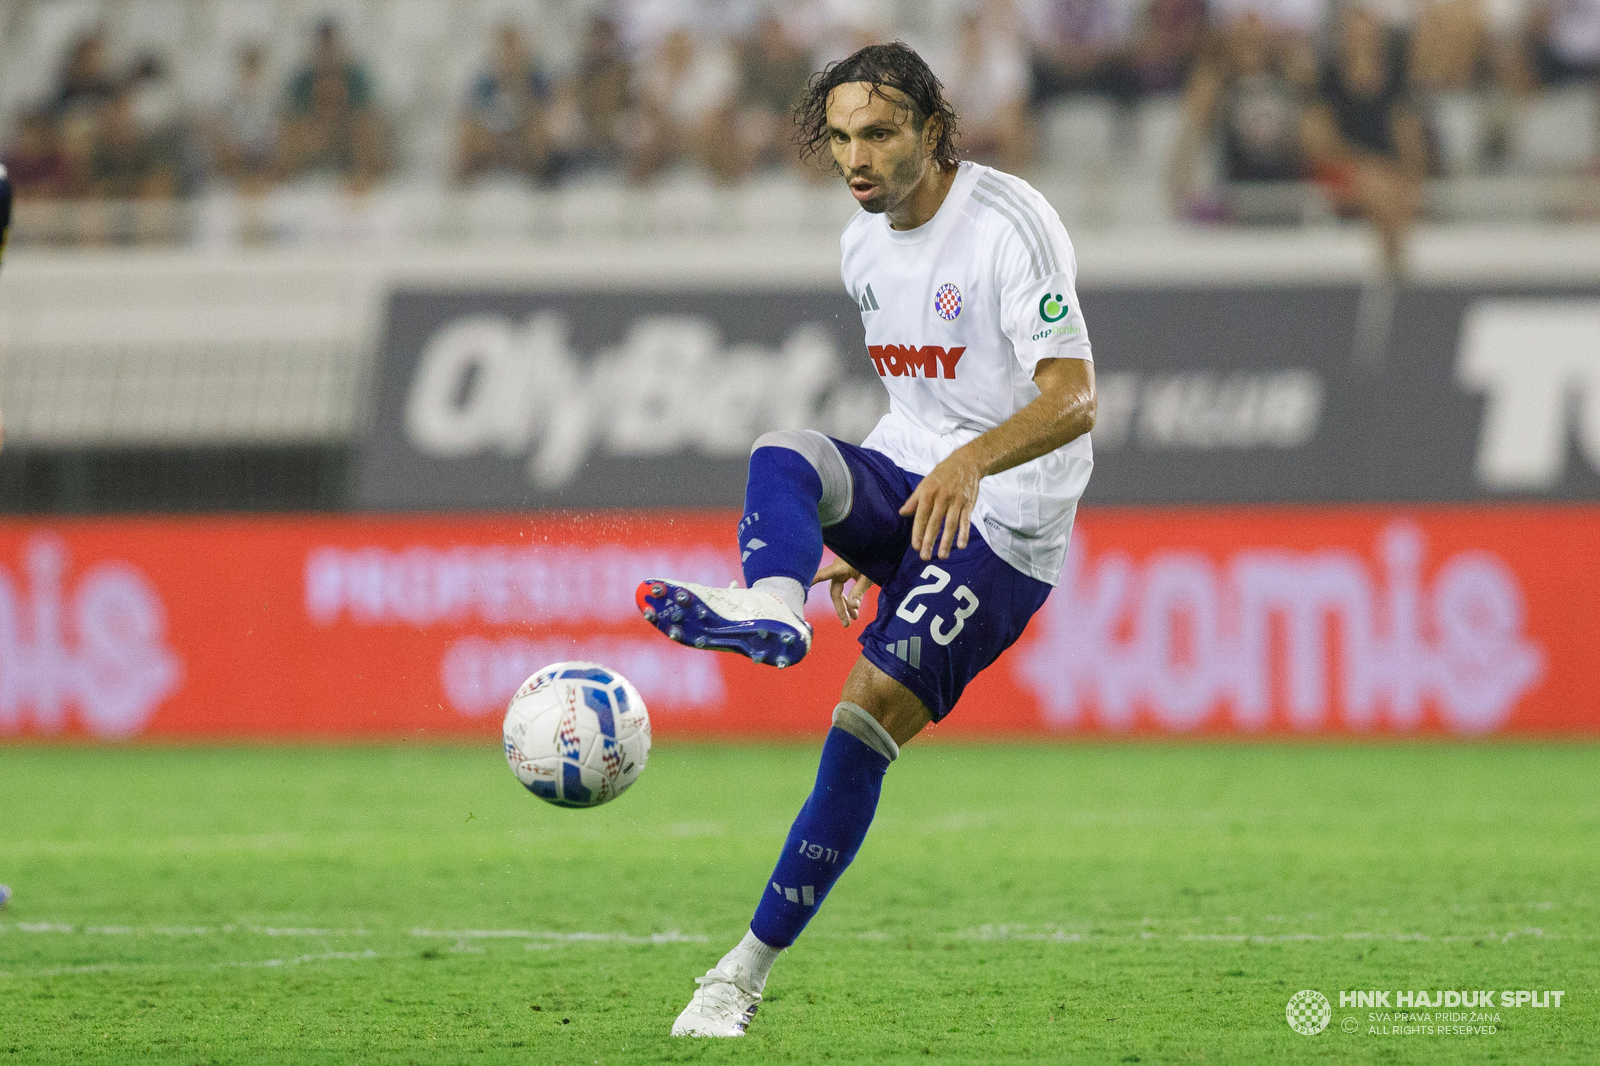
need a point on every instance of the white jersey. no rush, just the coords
(958, 313)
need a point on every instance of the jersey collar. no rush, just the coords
(966, 178)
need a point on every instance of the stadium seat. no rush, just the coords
(1142, 201)
(45, 30)
(1158, 122)
(1557, 132)
(1459, 120)
(596, 208)
(499, 209)
(774, 202)
(1502, 197)
(158, 26)
(1078, 135)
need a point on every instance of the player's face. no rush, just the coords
(876, 144)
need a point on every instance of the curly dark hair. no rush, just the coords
(882, 66)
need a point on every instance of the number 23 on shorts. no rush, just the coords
(966, 602)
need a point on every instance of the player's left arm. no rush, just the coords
(943, 502)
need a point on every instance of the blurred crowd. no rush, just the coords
(1340, 94)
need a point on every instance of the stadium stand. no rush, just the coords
(382, 122)
(272, 167)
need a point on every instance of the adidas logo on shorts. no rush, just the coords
(907, 651)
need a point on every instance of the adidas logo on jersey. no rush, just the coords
(866, 301)
(908, 360)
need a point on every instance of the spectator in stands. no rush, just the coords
(1292, 26)
(986, 79)
(1448, 46)
(130, 161)
(36, 161)
(1085, 46)
(773, 71)
(159, 111)
(1566, 41)
(600, 94)
(244, 135)
(685, 95)
(135, 165)
(332, 125)
(1167, 44)
(505, 127)
(1241, 99)
(85, 84)
(1365, 140)
(833, 29)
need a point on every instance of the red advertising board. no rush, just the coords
(1242, 621)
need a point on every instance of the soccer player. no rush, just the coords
(5, 231)
(958, 505)
(5, 210)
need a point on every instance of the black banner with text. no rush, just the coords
(530, 400)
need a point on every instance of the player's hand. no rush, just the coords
(846, 603)
(943, 503)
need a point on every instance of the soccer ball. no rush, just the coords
(577, 734)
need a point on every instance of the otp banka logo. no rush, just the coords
(99, 647)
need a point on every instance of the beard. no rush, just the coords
(902, 179)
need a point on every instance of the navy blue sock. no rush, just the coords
(823, 840)
(780, 534)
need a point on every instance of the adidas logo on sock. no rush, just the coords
(806, 894)
(754, 544)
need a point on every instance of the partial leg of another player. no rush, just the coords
(876, 716)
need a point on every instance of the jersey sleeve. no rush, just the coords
(1035, 270)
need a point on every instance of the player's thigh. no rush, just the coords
(900, 711)
(873, 536)
(940, 623)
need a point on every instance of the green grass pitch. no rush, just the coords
(1144, 903)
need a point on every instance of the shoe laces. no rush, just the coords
(719, 989)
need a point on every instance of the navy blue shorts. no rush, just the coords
(941, 622)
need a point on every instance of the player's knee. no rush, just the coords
(824, 457)
(808, 442)
(859, 723)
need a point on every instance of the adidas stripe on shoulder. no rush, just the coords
(1009, 199)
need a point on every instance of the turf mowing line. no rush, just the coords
(990, 934)
(176, 930)
(112, 967)
(979, 934)
(671, 936)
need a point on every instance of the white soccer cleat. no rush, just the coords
(749, 622)
(722, 1006)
